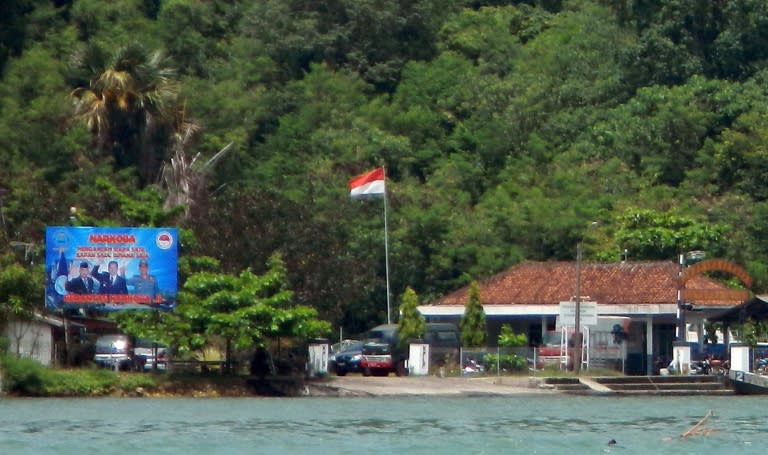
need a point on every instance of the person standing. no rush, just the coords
(144, 283)
(81, 284)
(110, 282)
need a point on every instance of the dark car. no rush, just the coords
(348, 359)
(148, 355)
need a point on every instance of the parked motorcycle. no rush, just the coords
(472, 367)
(719, 367)
(710, 366)
(700, 367)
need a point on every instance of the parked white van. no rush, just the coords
(114, 351)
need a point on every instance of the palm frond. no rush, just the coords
(185, 181)
(114, 82)
(128, 100)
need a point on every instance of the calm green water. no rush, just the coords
(425, 425)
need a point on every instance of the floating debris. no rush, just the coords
(699, 429)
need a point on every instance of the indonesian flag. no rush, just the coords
(370, 184)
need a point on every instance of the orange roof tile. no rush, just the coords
(605, 283)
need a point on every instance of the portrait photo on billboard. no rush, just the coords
(111, 268)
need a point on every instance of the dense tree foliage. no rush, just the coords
(506, 128)
(17, 290)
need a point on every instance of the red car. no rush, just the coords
(377, 360)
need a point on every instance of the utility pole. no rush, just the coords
(577, 331)
(579, 342)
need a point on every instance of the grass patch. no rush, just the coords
(79, 382)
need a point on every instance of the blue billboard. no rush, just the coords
(107, 268)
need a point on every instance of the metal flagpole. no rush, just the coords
(386, 246)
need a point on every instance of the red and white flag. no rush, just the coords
(370, 184)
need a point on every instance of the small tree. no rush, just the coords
(472, 325)
(245, 310)
(507, 360)
(411, 325)
(509, 339)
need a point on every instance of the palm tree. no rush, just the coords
(130, 102)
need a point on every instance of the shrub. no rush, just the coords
(509, 339)
(507, 362)
(22, 376)
(5, 345)
(29, 378)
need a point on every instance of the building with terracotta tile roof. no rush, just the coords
(658, 297)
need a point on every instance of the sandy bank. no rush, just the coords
(355, 385)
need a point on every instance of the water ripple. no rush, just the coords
(351, 426)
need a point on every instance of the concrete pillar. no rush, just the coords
(649, 345)
(700, 335)
(318, 358)
(418, 359)
(740, 355)
(681, 353)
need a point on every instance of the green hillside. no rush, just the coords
(506, 127)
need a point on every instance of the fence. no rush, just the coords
(602, 353)
(496, 360)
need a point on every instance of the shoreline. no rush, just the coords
(352, 385)
(358, 386)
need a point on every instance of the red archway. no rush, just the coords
(720, 265)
